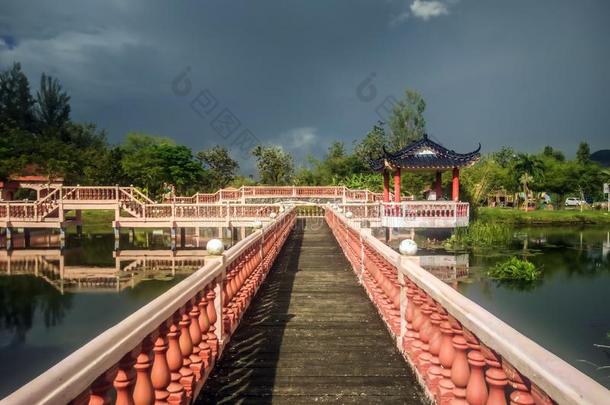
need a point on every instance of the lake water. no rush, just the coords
(567, 311)
(54, 301)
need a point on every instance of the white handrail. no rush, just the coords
(71, 376)
(561, 381)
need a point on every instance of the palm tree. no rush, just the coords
(525, 179)
(526, 168)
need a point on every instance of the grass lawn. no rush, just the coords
(95, 221)
(541, 217)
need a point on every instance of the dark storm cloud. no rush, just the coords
(520, 73)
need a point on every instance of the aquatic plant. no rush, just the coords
(515, 269)
(481, 234)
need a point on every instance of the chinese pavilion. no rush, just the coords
(423, 155)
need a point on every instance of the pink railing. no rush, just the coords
(164, 352)
(368, 210)
(426, 209)
(461, 353)
(336, 192)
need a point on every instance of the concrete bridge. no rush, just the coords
(134, 209)
(303, 311)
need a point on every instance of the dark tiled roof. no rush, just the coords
(434, 156)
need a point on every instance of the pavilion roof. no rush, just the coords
(426, 154)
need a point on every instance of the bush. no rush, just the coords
(515, 269)
(481, 234)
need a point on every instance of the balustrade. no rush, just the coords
(462, 353)
(164, 352)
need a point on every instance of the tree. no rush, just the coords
(583, 154)
(16, 103)
(407, 121)
(371, 147)
(505, 157)
(553, 153)
(52, 104)
(220, 167)
(150, 161)
(275, 167)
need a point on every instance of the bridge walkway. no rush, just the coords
(311, 336)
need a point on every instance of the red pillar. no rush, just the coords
(438, 186)
(397, 185)
(455, 192)
(386, 186)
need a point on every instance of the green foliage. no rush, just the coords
(583, 154)
(515, 269)
(371, 146)
(407, 120)
(219, 166)
(540, 217)
(152, 161)
(481, 234)
(38, 132)
(53, 103)
(275, 167)
(362, 181)
(16, 102)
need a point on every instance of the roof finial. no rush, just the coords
(425, 135)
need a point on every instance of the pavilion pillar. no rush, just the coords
(455, 191)
(397, 185)
(386, 186)
(438, 188)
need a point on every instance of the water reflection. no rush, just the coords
(448, 268)
(53, 299)
(568, 310)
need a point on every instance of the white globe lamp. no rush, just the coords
(215, 247)
(407, 247)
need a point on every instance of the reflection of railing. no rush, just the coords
(462, 353)
(165, 351)
(130, 268)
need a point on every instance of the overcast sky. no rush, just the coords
(305, 73)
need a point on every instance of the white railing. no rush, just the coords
(460, 351)
(165, 351)
(425, 214)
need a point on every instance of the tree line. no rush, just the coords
(36, 130)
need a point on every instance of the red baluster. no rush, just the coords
(101, 388)
(124, 380)
(195, 334)
(446, 357)
(497, 381)
(495, 377)
(211, 311)
(186, 348)
(476, 390)
(460, 371)
(174, 361)
(143, 393)
(519, 383)
(160, 374)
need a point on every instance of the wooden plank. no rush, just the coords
(312, 336)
